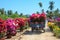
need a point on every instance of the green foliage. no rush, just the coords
(51, 5)
(14, 16)
(40, 4)
(56, 12)
(4, 16)
(56, 31)
(9, 12)
(23, 16)
(2, 11)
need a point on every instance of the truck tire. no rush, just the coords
(32, 29)
(43, 30)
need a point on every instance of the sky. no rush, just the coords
(27, 6)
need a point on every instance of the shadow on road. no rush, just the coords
(47, 30)
(32, 33)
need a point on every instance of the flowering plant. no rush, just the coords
(58, 21)
(20, 22)
(3, 28)
(38, 17)
(42, 16)
(11, 28)
(50, 24)
(56, 31)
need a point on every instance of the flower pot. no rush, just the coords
(2, 38)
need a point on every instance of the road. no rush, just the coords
(36, 35)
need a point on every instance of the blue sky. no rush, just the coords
(27, 6)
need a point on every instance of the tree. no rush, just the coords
(37, 12)
(51, 8)
(21, 14)
(47, 11)
(16, 12)
(40, 4)
(2, 11)
(51, 5)
(56, 12)
(10, 12)
(42, 10)
(5, 13)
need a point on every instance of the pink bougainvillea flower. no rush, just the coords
(58, 19)
(20, 22)
(10, 26)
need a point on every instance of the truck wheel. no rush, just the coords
(32, 29)
(43, 30)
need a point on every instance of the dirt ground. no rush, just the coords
(37, 35)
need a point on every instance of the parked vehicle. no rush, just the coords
(37, 26)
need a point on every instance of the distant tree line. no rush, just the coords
(10, 14)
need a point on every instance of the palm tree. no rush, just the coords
(51, 8)
(47, 11)
(40, 4)
(51, 5)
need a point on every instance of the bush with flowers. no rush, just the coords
(56, 31)
(11, 28)
(20, 23)
(38, 17)
(56, 28)
(3, 28)
(51, 25)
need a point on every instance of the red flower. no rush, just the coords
(20, 22)
(3, 27)
(38, 17)
(43, 15)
